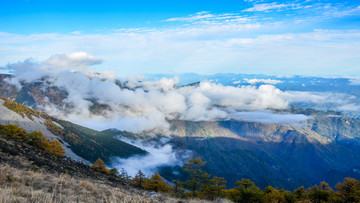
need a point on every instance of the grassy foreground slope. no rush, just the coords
(29, 174)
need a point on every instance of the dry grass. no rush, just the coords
(29, 186)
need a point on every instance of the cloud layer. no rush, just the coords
(159, 155)
(135, 105)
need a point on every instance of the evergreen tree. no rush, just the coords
(99, 165)
(114, 172)
(318, 194)
(212, 189)
(349, 190)
(300, 193)
(156, 183)
(273, 195)
(196, 175)
(139, 180)
(246, 191)
(124, 176)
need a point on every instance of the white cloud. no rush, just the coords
(349, 107)
(76, 32)
(270, 6)
(208, 18)
(265, 81)
(270, 117)
(158, 156)
(77, 61)
(224, 46)
(354, 80)
(197, 16)
(142, 105)
(136, 105)
(331, 11)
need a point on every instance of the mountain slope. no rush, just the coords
(324, 147)
(81, 143)
(286, 156)
(29, 174)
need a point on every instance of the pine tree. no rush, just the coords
(124, 176)
(114, 172)
(320, 193)
(156, 183)
(349, 190)
(219, 185)
(246, 191)
(99, 165)
(196, 175)
(139, 180)
(273, 195)
(213, 188)
(300, 193)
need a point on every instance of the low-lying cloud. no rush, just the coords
(160, 154)
(265, 81)
(269, 117)
(135, 105)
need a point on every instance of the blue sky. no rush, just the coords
(306, 37)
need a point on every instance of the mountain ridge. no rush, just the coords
(82, 143)
(323, 144)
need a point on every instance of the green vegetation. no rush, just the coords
(36, 139)
(99, 166)
(91, 144)
(139, 180)
(87, 143)
(157, 184)
(200, 185)
(56, 130)
(22, 109)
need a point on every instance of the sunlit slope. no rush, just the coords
(84, 142)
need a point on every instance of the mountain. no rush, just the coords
(324, 147)
(30, 174)
(82, 143)
(341, 93)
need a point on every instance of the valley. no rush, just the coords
(322, 147)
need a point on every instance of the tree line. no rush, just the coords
(202, 185)
(36, 139)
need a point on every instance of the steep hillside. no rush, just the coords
(326, 148)
(82, 143)
(29, 174)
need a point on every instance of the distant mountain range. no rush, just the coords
(346, 88)
(325, 147)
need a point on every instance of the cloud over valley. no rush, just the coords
(103, 101)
